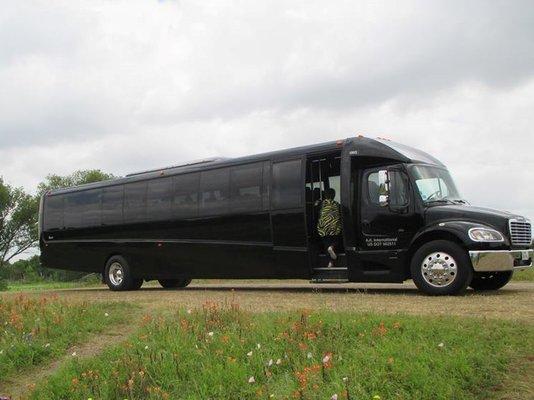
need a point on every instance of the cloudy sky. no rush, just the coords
(129, 85)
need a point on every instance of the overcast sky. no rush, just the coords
(129, 85)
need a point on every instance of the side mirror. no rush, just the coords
(383, 191)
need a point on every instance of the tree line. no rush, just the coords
(19, 215)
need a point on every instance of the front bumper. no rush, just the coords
(501, 260)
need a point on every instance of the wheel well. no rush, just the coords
(429, 237)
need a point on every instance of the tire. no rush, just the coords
(441, 267)
(491, 280)
(174, 283)
(118, 275)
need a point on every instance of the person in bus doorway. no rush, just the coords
(329, 226)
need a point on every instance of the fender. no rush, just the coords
(459, 230)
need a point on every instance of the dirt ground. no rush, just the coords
(514, 302)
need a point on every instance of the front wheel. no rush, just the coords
(174, 283)
(441, 267)
(491, 280)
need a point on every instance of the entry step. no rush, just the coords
(326, 275)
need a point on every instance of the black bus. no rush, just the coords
(256, 217)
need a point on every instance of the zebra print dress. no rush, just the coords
(329, 219)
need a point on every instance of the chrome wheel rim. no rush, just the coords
(439, 269)
(116, 274)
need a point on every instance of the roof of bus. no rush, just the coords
(359, 146)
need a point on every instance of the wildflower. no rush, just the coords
(345, 379)
(278, 362)
(251, 380)
(258, 346)
(74, 354)
(47, 345)
(334, 397)
(309, 355)
(249, 353)
(376, 397)
(146, 347)
(327, 358)
(189, 311)
(106, 315)
(270, 363)
(441, 345)
(210, 334)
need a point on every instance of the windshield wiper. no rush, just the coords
(446, 201)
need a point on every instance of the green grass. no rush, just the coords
(37, 329)
(230, 354)
(48, 285)
(526, 275)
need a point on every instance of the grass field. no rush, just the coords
(524, 276)
(225, 353)
(387, 340)
(37, 329)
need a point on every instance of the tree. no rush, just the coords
(54, 181)
(18, 222)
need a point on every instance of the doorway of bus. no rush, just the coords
(322, 172)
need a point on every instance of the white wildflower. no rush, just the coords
(251, 380)
(210, 334)
(309, 355)
(189, 311)
(326, 359)
(441, 345)
(106, 315)
(47, 345)
(278, 362)
(345, 379)
(146, 347)
(249, 353)
(74, 354)
(270, 363)
(258, 346)
(334, 397)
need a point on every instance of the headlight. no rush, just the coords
(485, 235)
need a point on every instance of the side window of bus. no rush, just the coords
(112, 205)
(398, 187)
(73, 210)
(53, 212)
(159, 198)
(185, 202)
(266, 184)
(245, 188)
(92, 207)
(214, 190)
(135, 202)
(287, 184)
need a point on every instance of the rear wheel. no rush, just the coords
(441, 267)
(174, 283)
(118, 275)
(491, 280)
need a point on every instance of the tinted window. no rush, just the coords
(73, 210)
(112, 205)
(185, 202)
(266, 184)
(91, 207)
(135, 202)
(246, 188)
(287, 184)
(53, 212)
(214, 188)
(159, 198)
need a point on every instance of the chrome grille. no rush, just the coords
(520, 232)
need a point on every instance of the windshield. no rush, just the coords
(434, 184)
